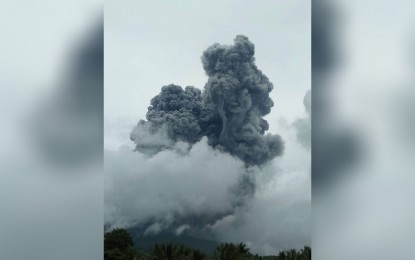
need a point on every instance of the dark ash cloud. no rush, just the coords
(173, 116)
(229, 112)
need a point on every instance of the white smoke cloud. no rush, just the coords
(139, 189)
(278, 217)
(162, 192)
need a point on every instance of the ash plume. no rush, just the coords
(173, 116)
(202, 169)
(229, 112)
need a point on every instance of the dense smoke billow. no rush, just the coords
(168, 188)
(229, 112)
(203, 165)
(173, 116)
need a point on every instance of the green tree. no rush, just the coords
(118, 238)
(306, 253)
(118, 245)
(175, 252)
(230, 251)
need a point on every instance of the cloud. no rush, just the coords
(277, 217)
(140, 189)
(209, 194)
(229, 112)
(303, 125)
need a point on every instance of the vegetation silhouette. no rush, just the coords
(118, 245)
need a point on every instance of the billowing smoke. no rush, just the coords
(207, 197)
(204, 166)
(235, 99)
(170, 189)
(173, 116)
(229, 112)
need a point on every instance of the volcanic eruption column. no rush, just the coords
(229, 112)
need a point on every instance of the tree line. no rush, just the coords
(118, 245)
